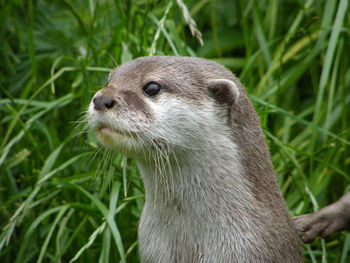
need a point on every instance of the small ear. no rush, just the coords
(224, 91)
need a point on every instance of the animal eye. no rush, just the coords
(152, 89)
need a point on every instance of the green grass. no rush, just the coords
(65, 199)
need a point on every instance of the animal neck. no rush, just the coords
(198, 180)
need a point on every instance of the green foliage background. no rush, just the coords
(64, 199)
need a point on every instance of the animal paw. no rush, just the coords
(330, 219)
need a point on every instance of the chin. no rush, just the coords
(119, 142)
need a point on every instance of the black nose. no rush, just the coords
(103, 102)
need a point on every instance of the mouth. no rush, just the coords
(104, 129)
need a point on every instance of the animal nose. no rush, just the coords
(103, 102)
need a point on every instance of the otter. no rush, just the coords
(211, 191)
(330, 219)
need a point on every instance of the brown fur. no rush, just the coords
(330, 219)
(189, 79)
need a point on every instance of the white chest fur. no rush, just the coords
(201, 211)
